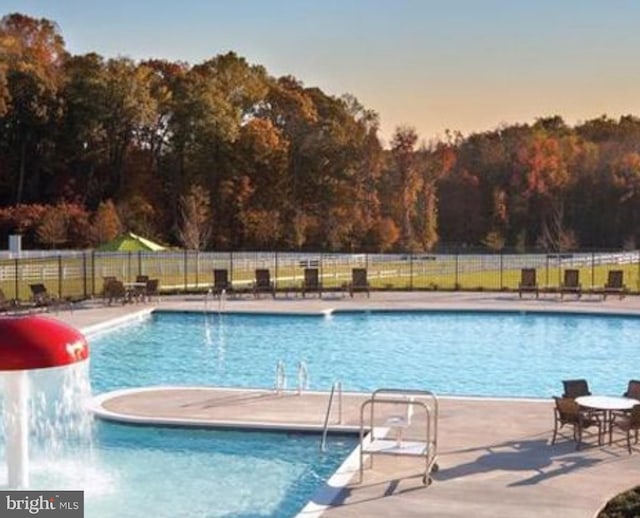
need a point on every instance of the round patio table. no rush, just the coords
(607, 404)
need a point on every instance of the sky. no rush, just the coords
(459, 65)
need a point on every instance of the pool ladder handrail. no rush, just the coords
(325, 429)
(281, 377)
(222, 299)
(303, 377)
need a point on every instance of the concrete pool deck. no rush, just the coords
(494, 455)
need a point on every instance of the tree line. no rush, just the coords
(222, 155)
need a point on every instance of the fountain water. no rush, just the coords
(42, 346)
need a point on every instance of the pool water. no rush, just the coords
(462, 353)
(135, 471)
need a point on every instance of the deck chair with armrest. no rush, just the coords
(575, 388)
(152, 289)
(311, 282)
(528, 282)
(41, 297)
(568, 412)
(627, 422)
(263, 283)
(114, 291)
(359, 281)
(221, 281)
(633, 390)
(615, 284)
(140, 292)
(571, 283)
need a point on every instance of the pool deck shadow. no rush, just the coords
(495, 456)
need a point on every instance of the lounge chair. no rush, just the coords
(221, 282)
(571, 283)
(359, 282)
(7, 304)
(567, 411)
(615, 284)
(575, 388)
(41, 297)
(633, 390)
(528, 282)
(311, 282)
(263, 283)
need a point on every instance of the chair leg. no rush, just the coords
(629, 440)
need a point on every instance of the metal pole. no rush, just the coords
(275, 281)
(501, 271)
(84, 274)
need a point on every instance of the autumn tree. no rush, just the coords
(106, 224)
(195, 221)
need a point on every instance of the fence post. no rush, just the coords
(593, 269)
(16, 287)
(275, 281)
(59, 276)
(231, 266)
(93, 273)
(197, 267)
(129, 265)
(501, 271)
(456, 283)
(410, 272)
(84, 274)
(139, 262)
(186, 280)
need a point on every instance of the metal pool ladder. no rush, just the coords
(337, 385)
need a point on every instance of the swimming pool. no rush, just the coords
(132, 472)
(462, 353)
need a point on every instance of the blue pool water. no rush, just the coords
(133, 472)
(490, 354)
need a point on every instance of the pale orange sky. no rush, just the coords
(465, 65)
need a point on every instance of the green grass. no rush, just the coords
(83, 276)
(625, 505)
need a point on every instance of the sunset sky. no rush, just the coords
(467, 65)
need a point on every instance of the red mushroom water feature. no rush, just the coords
(28, 343)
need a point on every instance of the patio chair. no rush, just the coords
(311, 282)
(568, 412)
(359, 282)
(221, 282)
(575, 388)
(627, 422)
(615, 284)
(528, 282)
(113, 291)
(152, 289)
(571, 283)
(41, 297)
(633, 390)
(263, 284)
(140, 292)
